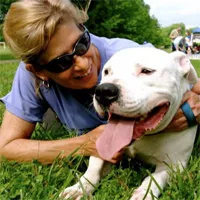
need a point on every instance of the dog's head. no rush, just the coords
(145, 87)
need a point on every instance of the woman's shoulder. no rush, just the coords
(109, 46)
(115, 43)
(24, 78)
(22, 69)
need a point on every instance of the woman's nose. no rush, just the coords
(80, 63)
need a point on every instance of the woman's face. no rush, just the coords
(83, 74)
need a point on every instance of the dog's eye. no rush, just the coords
(147, 71)
(106, 72)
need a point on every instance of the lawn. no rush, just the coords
(5, 54)
(34, 181)
(196, 64)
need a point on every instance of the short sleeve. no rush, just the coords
(117, 44)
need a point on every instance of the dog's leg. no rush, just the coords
(87, 182)
(161, 177)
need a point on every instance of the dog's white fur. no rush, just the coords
(172, 75)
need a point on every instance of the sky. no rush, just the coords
(176, 11)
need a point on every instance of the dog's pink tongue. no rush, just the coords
(112, 140)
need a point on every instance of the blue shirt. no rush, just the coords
(73, 107)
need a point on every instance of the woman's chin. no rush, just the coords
(88, 85)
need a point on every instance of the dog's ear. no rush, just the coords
(185, 66)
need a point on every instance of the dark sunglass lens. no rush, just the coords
(83, 44)
(81, 49)
(61, 64)
(65, 62)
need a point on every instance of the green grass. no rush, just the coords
(34, 181)
(5, 54)
(196, 64)
(7, 72)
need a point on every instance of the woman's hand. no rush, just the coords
(90, 145)
(179, 122)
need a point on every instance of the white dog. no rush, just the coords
(145, 87)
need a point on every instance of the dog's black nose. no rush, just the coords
(106, 93)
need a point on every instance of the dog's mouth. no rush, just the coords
(121, 131)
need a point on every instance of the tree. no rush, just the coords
(127, 19)
(4, 6)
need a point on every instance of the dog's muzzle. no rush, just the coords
(106, 93)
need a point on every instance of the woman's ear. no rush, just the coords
(39, 73)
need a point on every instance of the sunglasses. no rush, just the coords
(64, 62)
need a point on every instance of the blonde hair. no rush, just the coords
(30, 24)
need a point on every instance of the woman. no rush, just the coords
(63, 66)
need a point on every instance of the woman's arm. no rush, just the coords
(192, 97)
(16, 145)
(196, 87)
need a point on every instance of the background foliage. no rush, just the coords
(126, 19)
(4, 6)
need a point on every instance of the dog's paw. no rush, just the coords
(140, 195)
(76, 191)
